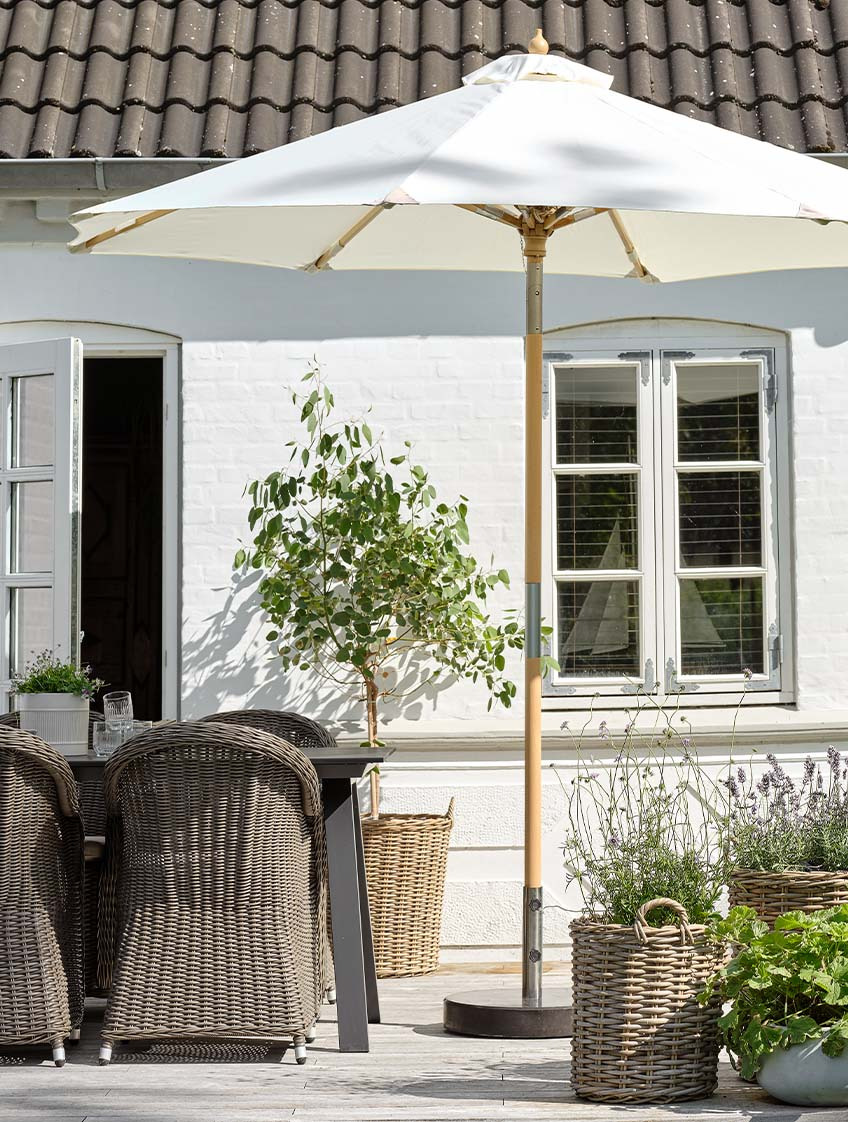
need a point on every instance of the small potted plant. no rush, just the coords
(789, 837)
(646, 845)
(53, 698)
(368, 585)
(787, 991)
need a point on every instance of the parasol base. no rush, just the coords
(506, 1015)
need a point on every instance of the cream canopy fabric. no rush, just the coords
(676, 195)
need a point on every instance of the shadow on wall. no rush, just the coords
(227, 664)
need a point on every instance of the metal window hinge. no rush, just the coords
(668, 357)
(644, 360)
(771, 375)
(650, 684)
(673, 683)
(776, 651)
(550, 358)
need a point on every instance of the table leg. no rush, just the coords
(371, 996)
(351, 1001)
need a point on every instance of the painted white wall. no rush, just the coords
(439, 357)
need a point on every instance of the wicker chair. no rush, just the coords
(41, 896)
(91, 799)
(303, 733)
(300, 731)
(214, 895)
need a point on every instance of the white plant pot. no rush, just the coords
(804, 1076)
(59, 718)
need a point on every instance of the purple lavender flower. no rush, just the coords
(834, 758)
(741, 774)
(809, 768)
(603, 731)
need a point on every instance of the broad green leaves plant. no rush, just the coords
(365, 574)
(784, 986)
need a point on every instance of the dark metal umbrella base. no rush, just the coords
(503, 1014)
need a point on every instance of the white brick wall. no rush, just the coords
(455, 390)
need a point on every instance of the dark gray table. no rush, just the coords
(357, 1003)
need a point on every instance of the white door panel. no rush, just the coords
(40, 391)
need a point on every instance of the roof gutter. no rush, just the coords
(37, 179)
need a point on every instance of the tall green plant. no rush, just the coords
(365, 572)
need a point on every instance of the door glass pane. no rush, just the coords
(32, 528)
(598, 628)
(31, 625)
(596, 415)
(720, 519)
(32, 421)
(718, 412)
(597, 521)
(721, 625)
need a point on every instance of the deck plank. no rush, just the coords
(414, 1073)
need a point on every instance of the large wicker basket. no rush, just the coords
(405, 861)
(772, 894)
(640, 1035)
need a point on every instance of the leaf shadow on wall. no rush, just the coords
(227, 664)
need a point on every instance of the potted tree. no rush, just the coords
(646, 846)
(368, 584)
(53, 700)
(787, 991)
(789, 837)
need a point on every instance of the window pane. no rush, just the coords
(720, 519)
(32, 527)
(718, 412)
(721, 624)
(32, 421)
(31, 625)
(596, 415)
(597, 521)
(598, 628)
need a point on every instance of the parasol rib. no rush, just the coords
(323, 259)
(639, 268)
(107, 235)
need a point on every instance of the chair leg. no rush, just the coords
(59, 1053)
(311, 1034)
(75, 1035)
(105, 1056)
(331, 995)
(300, 1049)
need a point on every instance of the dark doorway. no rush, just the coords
(121, 612)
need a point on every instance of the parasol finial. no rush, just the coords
(538, 45)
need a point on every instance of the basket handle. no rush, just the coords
(450, 810)
(640, 924)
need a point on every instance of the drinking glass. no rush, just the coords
(118, 711)
(106, 739)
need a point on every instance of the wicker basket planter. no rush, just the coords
(640, 1035)
(405, 861)
(771, 894)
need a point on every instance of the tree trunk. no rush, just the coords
(371, 709)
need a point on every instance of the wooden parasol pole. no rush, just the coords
(534, 242)
(498, 1013)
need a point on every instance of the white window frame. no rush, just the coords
(659, 346)
(118, 341)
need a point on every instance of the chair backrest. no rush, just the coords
(300, 731)
(41, 836)
(210, 813)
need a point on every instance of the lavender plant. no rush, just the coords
(647, 823)
(779, 823)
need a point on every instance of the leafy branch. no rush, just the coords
(366, 577)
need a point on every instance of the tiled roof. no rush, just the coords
(228, 78)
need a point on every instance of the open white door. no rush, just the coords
(40, 468)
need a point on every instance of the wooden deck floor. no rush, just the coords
(413, 1072)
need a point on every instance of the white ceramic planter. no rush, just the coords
(804, 1076)
(59, 718)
